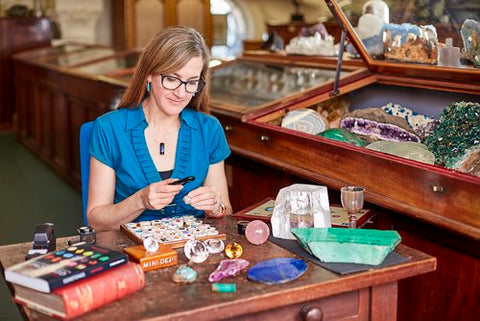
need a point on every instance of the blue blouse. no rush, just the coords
(118, 141)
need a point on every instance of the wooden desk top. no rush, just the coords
(161, 299)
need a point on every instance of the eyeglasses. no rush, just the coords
(191, 86)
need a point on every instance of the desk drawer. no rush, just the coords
(346, 306)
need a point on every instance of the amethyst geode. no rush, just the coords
(376, 124)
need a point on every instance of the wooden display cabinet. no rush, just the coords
(17, 34)
(58, 89)
(434, 208)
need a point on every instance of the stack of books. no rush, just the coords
(70, 282)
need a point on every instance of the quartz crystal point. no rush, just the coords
(227, 268)
(300, 205)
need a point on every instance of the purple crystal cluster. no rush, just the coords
(379, 130)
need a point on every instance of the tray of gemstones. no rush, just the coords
(172, 231)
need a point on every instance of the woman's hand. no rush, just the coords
(158, 195)
(206, 198)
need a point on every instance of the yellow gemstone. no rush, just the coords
(233, 250)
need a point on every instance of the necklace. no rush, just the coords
(161, 144)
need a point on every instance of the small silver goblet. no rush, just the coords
(352, 201)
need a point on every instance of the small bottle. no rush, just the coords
(448, 55)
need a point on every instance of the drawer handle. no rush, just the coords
(228, 128)
(264, 138)
(438, 189)
(311, 313)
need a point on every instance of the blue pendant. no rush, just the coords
(162, 149)
(276, 271)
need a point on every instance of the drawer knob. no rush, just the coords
(438, 188)
(311, 313)
(228, 128)
(264, 138)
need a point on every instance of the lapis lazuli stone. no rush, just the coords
(276, 271)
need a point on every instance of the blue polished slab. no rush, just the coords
(276, 271)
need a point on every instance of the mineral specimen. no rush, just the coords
(470, 161)
(410, 150)
(375, 123)
(305, 120)
(471, 40)
(312, 46)
(227, 268)
(421, 124)
(343, 135)
(184, 274)
(363, 246)
(411, 43)
(459, 130)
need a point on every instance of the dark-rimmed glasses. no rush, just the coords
(170, 82)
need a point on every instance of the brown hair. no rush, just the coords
(168, 51)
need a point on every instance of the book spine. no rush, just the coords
(94, 292)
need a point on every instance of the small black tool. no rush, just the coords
(43, 240)
(183, 181)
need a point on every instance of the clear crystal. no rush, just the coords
(215, 245)
(150, 244)
(196, 251)
(300, 205)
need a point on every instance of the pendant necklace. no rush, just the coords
(161, 144)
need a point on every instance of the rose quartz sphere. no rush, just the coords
(257, 232)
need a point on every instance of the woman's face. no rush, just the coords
(171, 102)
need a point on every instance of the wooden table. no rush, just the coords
(369, 295)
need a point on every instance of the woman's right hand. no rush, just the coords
(158, 195)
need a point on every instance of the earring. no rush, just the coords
(193, 94)
(148, 86)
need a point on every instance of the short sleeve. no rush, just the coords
(100, 145)
(219, 149)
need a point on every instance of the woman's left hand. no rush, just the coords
(206, 198)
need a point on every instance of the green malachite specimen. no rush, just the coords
(459, 130)
(341, 245)
(343, 135)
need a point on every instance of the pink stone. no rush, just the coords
(227, 268)
(257, 232)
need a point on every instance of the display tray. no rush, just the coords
(263, 211)
(175, 231)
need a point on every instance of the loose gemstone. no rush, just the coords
(233, 250)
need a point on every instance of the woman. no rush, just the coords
(160, 133)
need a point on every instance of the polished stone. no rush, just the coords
(276, 271)
(341, 245)
(257, 232)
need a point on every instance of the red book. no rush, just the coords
(86, 295)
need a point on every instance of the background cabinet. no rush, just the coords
(17, 34)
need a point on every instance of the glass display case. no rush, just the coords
(247, 87)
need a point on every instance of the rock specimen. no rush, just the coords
(422, 125)
(343, 135)
(458, 131)
(471, 40)
(227, 268)
(305, 120)
(409, 150)
(376, 124)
